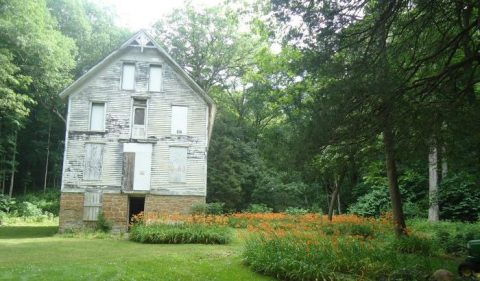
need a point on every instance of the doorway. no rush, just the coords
(136, 206)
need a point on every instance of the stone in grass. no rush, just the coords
(442, 275)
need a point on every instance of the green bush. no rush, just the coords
(459, 195)
(47, 202)
(296, 211)
(27, 209)
(258, 208)
(103, 224)
(6, 203)
(180, 233)
(215, 208)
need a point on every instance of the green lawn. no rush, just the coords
(35, 253)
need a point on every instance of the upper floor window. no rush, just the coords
(139, 118)
(155, 78)
(97, 116)
(128, 76)
(179, 120)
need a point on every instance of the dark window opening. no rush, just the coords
(136, 206)
(139, 116)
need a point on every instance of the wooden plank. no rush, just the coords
(128, 170)
(91, 205)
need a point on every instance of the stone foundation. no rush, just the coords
(170, 204)
(115, 208)
(71, 211)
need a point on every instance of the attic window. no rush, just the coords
(128, 76)
(155, 80)
(179, 120)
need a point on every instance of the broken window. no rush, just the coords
(93, 161)
(92, 203)
(178, 164)
(97, 116)
(128, 76)
(155, 79)
(179, 120)
(139, 118)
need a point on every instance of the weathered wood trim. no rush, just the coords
(64, 166)
(128, 170)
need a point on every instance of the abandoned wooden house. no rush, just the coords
(137, 136)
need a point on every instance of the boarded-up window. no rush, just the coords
(92, 204)
(97, 116)
(93, 161)
(155, 81)
(178, 164)
(179, 120)
(128, 76)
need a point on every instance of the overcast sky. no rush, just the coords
(138, 14)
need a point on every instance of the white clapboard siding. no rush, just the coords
(91, 205)
(106, 86)
(93, 161)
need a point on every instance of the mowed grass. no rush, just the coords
(35, 252)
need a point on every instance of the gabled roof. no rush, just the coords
(143, 40)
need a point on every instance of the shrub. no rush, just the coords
(296, 211)
(27, 209)
(459, 195)
(215, 208)
(180, 233)
(258, 208)
(103, 224)
(6, 203)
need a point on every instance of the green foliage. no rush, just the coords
(413, 244)
(47, 202)
(296, 211)
(27, 209)
(258, 208)
(459, 195)
(345, 259)
(103, 224)
(180, 234)
(362, 230)
(6, 203)
(208, 208)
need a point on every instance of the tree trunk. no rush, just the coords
(331, 205)
(12, 171)
(433, 210)
(48, 155)
(444, 163)
(4, 174)
(338, 203)
(395, 197)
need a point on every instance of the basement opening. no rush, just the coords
(136, 206)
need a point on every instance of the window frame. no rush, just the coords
(90, 115)
(132, 117)
(150, 77)
(134, 75)
(186, 121)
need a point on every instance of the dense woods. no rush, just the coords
(339, 106)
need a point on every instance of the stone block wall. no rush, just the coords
(71, 211)
(170, 204)
(115, 209)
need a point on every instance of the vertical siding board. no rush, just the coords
(91, 206)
